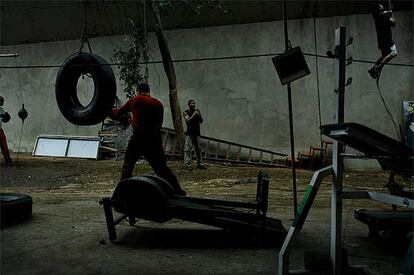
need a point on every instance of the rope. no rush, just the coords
(198, 60)
(317, 72)
(84, 12)
(388, 111)
(21, 100)
(85, 30)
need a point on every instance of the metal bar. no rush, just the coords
(110, 224)
(292, 152)
(247, 162)
(250, 155)
(355, 195)
(381, 197)
(120, 219)
(214, 202)
(228, 151)
(337, 159)
(187, 213)
(67, 147)
(89, 138)
(283, 268)
(239, 154)
(289, 91)
(261, 157)
(271, 225)
(301, 215)
(358, 156)
(391, 199)
(34, 149)
(9, 55)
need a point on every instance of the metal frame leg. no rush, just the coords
(110, 224)
(303, 211)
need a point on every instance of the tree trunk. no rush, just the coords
(172, 80)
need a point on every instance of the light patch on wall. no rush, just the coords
(85, 89)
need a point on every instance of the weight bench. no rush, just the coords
(152, 198)
(393, 156)
(386, 223)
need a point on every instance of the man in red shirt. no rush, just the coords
(147, 118)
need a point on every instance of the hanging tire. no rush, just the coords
(66, 89)
(14, 208)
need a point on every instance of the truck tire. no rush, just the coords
(14, 208)
(66, 89)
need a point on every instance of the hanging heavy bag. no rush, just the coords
(78, 64)
(22, 113)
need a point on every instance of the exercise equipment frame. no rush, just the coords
(218, 213)
(336, 171)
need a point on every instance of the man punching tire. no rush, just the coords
(147, 118)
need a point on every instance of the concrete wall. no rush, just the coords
(242, 100)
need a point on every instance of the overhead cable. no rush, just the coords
(200, 59)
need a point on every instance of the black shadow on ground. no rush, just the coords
(149, 237)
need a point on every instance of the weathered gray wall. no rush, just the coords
(242, 100)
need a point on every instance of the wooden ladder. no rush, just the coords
(109, 143)
(219, 150)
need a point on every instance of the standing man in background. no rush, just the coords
(384, 21)
(193, 119)
(4, 117)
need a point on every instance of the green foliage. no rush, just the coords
(131, 58)
(195, 5)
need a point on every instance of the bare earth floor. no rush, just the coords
(67, 232)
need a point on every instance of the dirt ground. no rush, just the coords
(67, 232)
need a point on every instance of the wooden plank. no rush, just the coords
(107, 148)
(107, 134)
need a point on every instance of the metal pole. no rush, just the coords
(292, 141)
(9, 55)
(337, 158)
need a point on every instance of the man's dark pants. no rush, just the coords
(151, 149)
